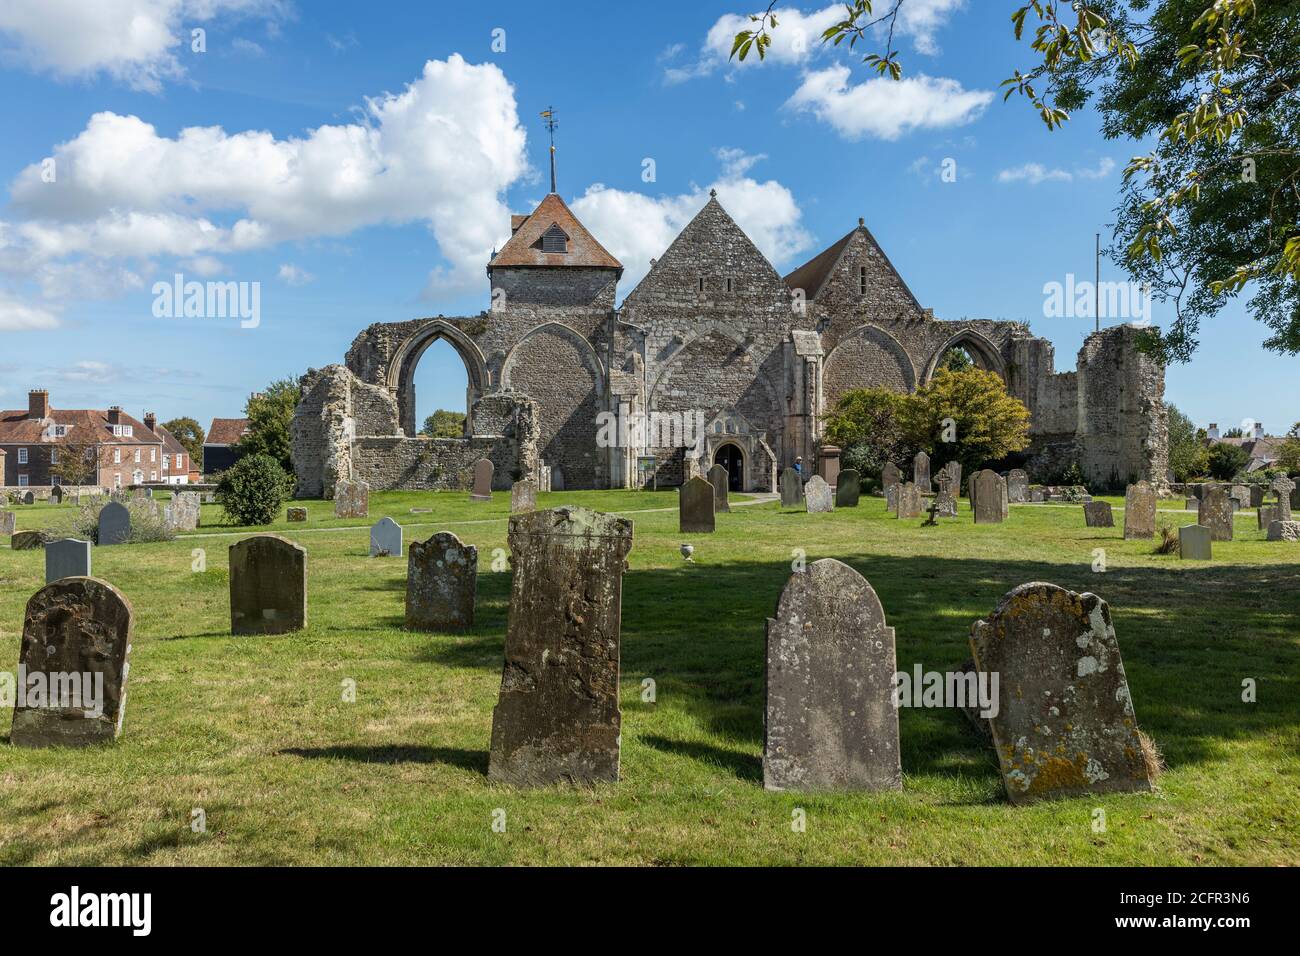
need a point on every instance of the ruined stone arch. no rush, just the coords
(983, 352)
(868, 357)
(401, 370)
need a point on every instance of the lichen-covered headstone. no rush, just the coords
(945, 500)
(909, 500)
(921, 471)
(695, 507)
(831, 723)
(482, 490)
(8, 522)
(1241, 495)
(441, 582)
(986, 496)
(67, 558)
(114, 524)
(75, 657)
(719, 479)
(296, 515)
(523, 496)
(268, 586)
(791, 488)
(891, 497)
(848, 488)
(386, 539)
(1017, 486)
(1140, 511)
(890, 475)
(1098, 514)
(29, 540)
(1284, 531)
(1285, 488)
(1215, 513)
(351, 499)
(182, 512)
(1065, 723)
(818, 495)
(557, 718)
(1194, 543)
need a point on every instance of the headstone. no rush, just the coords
(482, 490)
(695, 507)
(1240, 494)
(386, 539)
(945, 501)
(890, 476)
(1194, 542)
(28, 540)
(29, 498)
(77, 634)
(818, 496)
(8, 522)
(67, 558)
(953, 468)
(1140, 511)
(557, 479)
(1257, 494)
(523, 496)
(1037, 495)
(891, 497)
(791, 488)
(182, 512)
(543, 476)
(351, 499)
(1266, 515)
(56, 495)
(441, 580)
(1284, 487)
(114, 524)
(1065, 723)
(295, 515)
(1284, 531)
(1295, 498)
(1215, 513)
(909, 500)
(1192, 504)
(831, 723)
(268, 586)
(557, 718)
(986, 496)
(1006, 505)
(1097, 514)
(848, 488)
(1017, 486)
(719, 479)
(828, 464)
(921, 471)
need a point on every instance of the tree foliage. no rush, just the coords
(444, 424)
(269, 414)
(1288, 457)
(1225, 461)
(190, 434)
(868, 424)
(1188, 456)
(252, 489)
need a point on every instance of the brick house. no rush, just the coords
(176, 464)
(41, 444)
(220, 449)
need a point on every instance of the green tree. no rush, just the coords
(974, 410)
(956, 360)
(1225, 461)
(868, 424)
(444, 424)
(269, 414)
(190, 434)
(1288, 458)
(1188, 456)
(252, 489)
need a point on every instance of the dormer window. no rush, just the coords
(554, 240)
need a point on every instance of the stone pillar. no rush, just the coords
(828, 463)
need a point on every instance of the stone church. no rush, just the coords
(713, 337)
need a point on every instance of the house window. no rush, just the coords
(22, 481)
(152, 453)
(22, 456)
(167, 462)
(117, 456)
(137, 477)
(117, 479)
(862, 280)
(554, 240)
(153, 476)
(180, 462)
(137, 456)
(54, 456)
(56, 479)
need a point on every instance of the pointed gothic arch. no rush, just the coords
(982, 351)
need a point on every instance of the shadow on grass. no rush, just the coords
(476, 760)
(744, 765)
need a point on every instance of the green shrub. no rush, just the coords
(1226, 461)
(252, 490)
(147, 522)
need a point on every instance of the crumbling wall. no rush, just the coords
(1123, 425)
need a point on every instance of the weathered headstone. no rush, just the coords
(1266, 515)
(1241, 495)
(295, 515)
(1284, 487)
(182, 512)
(1098, 514)
(482, 490)
(268, 586)
(557, 717)
(953, 468)
(114, 524)
(67, 558)
(29, 498)
(1284, 531)
(890, 476)
(1065, 723)
(945, 500)
(986, 496)
(1257, 492)
(77, 646)
(386, 539)
(441, 581)
(56, 495)
(1215, 513)
(921, 471)
(891, 497)
(818, 495)
(8, 522)
(28, 540)
(831, 723)
(791, 489)
(1017, 486)
(1192, 504)
(909, 500)
(1194, 542)
(719, 479)
(1140, 511)
(848, 488)
(523, 496)
(351, 499)
(695, 507)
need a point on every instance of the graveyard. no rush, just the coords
(355, 740)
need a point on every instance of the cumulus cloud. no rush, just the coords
(294, 275)
(18, 316)
(1036, 173)
(922, 19)
(886, 108)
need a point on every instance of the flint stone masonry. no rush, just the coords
(1139, 511)
(1215, 513)
(67, 558)
(81, 626)
(1097, 514)
(386, 539)
(441, 583)
(1194, 543)
(523, 496)
(1065, 723)
(114, 525)
(830, 720)
(848, 489)
(791, 489)
(352, 499)
(557, 718)
(695, 507)
(818, 496)
(719, 479)
(268, 586)
(1284, 531)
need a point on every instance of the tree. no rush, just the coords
(967, 417)
(1212, 84)
(868, 424)
(252, 489)
(78, 462)
(1225, 461)
(1188, 456)
(1234, 433)
(269, 414)
(190, 434)
(956, 360)
(444, 424)
(1288, 456)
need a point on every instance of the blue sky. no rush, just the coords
(326, 161)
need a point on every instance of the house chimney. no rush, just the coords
(38, 403)
(1212, 431)
(1259, 430)
(115, 415)
(151, 421)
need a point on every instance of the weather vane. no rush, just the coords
(551, 123)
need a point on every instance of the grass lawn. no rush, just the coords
(254, 731)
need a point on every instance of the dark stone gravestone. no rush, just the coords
(831, 723)
(268, 586)
(386, 539)
(1215, 513)
(848, 488)
(523, 496)
(719, 478)
(986, 496)
(29, 498)
(296, 515)
(56, 495)
(791, 489)
(1097, 514)
(1065, 723)
(817, 495)
(557, 718)
(114, 524)
(909, 500)
(67, 558)
(482, 490)
(1140, 511)
(441, 582)
(1194, 542)
(695, 507)
(1257, 495)
(1017, 486)
(1266, 515)
(76, 654)
(890, 476)
(351, 499)
(557, 479)
(921, 471)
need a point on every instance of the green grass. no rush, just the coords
(255, 732)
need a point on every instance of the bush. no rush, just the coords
(1226, 461)
(147, 522)
(252, 490)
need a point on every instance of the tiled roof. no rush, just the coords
(525, 247)
(86, 426)
(170, 443)
(226, 431)
(812, 275)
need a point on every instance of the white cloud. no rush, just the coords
(18, 316)
(294, 275)
(204, 266)
(636, 227)
(133, 41)
(921, 19)
(886, 108)
(1036, 173)
(1104, 168)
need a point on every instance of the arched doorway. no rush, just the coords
(731, 458)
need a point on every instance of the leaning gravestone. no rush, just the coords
(695, 507)
(1284, 531)
(791, 489)
(1194, 542)
(182, 512)
(441, 581)
(1140, 511)
(986, 496)
(848, 488)
(77, 634)
(890, 476)
(921, 471)
(909, 500)
(818, 495)
(557, 718)
(1017, 486)
(719, 479)
(523, 496)
(1266, 515)
(831, 723)
(1065, 723)
(67, 558)
(1215, 513)
(1098, 514)
(1284, 487)
(8, 522)
(351, 499)
(268, 586)
(482, 490)
(386, 539)
(114, 524)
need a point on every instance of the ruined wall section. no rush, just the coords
(335, 407)
(1123, 432)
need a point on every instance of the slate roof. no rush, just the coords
(525, 247)
(226, 431)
